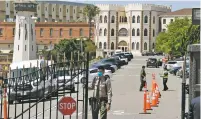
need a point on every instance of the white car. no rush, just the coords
(122, 58)
(171, 64)
(92, 74)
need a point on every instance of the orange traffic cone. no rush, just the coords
(144, 104)
(153, 102)
(148, 104)
(156, 95)
(158, 92)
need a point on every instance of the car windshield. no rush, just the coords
(172, 62)
(152, 59)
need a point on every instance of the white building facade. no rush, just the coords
(131, 28)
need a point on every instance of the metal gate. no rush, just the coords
(34, 90)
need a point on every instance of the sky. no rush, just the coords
(176, 5)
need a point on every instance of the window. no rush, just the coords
(70, 32)
(7, 4)
(133, 19)
(138, 19)
(145, 46)
(61, 32)
(125, 19)
(153, 19)
(1, 31)
(112, 32)
(25, 47)
(32, 47)
(145, 32)
(13, 31)
(100, 45)
(51, 32)
(94, 71)
(105, 32)
(171, 20)
(100, 32)
(19, 31)
(123, 32)
(105, 45)
(113, 19)
(112, 46)
(164, 30)
(138, 32)
(53, 9)
(153, 46)
(105, 19)
(153, 33)
(164, 21)
(100, 19)
(81, 32)
(25, 31)
(41, 32)
(137, 46)
(18, 47)
(146, 19)
(133, 32)
(133, 45)
(120, 19)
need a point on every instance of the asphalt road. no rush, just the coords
(127, 100)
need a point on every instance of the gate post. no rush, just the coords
(86, 88)
(5, 99)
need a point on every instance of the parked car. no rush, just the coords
(148, 54)
(152, 62)
(122, 61)
(130, 54)
(122, 54)
(159, 53)
(107, 66)
(169, 64)
(93, 72)
(111, 61)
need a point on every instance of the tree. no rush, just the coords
(179, 35)
(90, 11)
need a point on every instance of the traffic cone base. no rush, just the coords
(145, 113)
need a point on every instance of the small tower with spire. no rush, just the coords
(25, 39)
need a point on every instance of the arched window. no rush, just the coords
(138, 32)
(105, 45)
(120, 19)
(105, 19)
(70, 32)
(100, 45)
(145, 46)
(81, 32)
(51, 32)
(100, 32)
(123, 32)
(153, 46)
(145, 32)
(61, 32)
(101, 19)
(153, 33)
(133, 32)
(138, 19)
(153, 19)
(137, 46)
(133, 45)
(125, 19)
(113, 19)
(133, 19)
(112, 32)
(112, 46)
(105, 32)
(146, 19)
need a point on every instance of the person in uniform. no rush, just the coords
(194, 109)
(165, 79)
(142, 78)
(102, 95)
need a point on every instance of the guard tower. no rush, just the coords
(25, 41)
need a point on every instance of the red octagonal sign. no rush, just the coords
(67, 105)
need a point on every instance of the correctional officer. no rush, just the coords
(194, 109)
(165, 79)
(102, 95)
(142, 78)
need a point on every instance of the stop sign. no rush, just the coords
(67, 105)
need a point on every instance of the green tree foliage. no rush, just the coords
(180, 33)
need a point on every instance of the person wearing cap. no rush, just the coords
(142, 78)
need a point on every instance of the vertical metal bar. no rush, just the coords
(44, 79)
(86, 87)
(57, 94)
(15, 87)
(30, 79)
(22, 89)
(183, 100)
(78, 73)
(51, 89)
(64, 73)
(9, 78)
(71, 61)
(39, 76)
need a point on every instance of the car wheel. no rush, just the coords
(112, 70)
(107, 76)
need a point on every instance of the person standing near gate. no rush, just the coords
(102, 95)
(142, 78)
(194, 109)
(165, 79)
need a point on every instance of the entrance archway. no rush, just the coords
(123, 46)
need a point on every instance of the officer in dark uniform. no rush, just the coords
(165, 79)
(142, 77)
(194, 112)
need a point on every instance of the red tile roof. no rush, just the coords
(181, 12)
